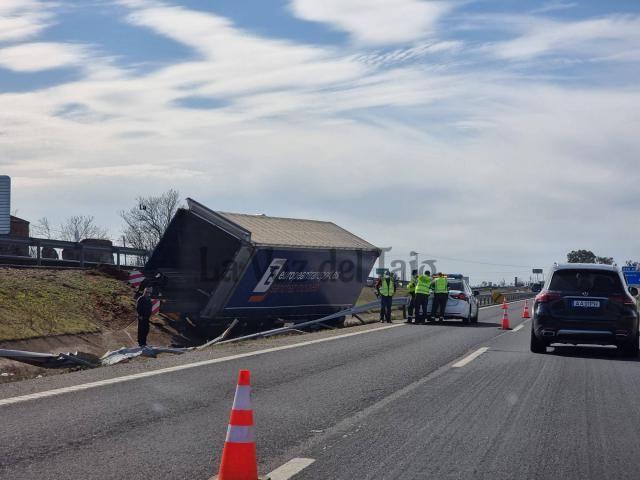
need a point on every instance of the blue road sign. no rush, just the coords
(629, 269)
(632, 278)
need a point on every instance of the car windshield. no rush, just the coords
(585, 280)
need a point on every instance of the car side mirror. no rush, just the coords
(633, 291)
(476, 293)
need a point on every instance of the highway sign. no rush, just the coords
(629, 269)
(632, 278)
(536, 270)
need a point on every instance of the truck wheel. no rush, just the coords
(537, 345)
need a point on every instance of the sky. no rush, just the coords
(493, 136)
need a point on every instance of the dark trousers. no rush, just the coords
(440, 304)
(385, 308)
(412, 303)
(143, 330)
(421, 303)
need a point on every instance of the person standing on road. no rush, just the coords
(423, 289)
(411, 288)
(385, 289)
(144, 307)
(440, 296)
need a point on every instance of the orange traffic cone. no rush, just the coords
(505, 321)
(504, 302)
(239, 461)
(525, 312)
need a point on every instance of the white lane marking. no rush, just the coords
(519, 327)
(470, 358)
(291, 468)
(136, 376)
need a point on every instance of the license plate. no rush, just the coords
(585, 303)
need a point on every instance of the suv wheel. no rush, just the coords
(474, 319)
(537, 345)
(631, 348)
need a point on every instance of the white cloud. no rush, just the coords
(376, 22)
(21, 19)
(606, 36)
(312, 131)
(34, 57)
(409, 54)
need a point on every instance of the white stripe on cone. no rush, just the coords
(155, 307)
(236, 434)
(242, 400)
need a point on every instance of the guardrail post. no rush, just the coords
(118, 258)
(81, 255)
(38, 254)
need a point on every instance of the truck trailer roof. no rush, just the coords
(264, 230)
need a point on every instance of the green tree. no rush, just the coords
(604, 260)
(581, 256)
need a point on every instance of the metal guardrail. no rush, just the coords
(487, 299)
(397, 302)
(81, 248)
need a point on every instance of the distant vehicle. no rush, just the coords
(462, 302)
(585, 304)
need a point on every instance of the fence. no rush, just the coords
(84, 254)
(487, 299)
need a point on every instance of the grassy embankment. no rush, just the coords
(40, 302)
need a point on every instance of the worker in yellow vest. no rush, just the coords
(440, 296)
(411, 288)
(385, 289)
(423, 290)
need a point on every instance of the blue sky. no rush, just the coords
(498, 131)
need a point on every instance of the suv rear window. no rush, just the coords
(585, 280)
(455, 285)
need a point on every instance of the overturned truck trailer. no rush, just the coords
(215, 267)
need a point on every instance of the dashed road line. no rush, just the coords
(291, 468)
(470, 358)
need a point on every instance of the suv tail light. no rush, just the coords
(624, 299)
(461, 296)
(544, 297)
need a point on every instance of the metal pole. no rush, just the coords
(124, 244)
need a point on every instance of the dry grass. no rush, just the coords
(40, 302)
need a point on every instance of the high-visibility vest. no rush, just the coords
(442, 285)
(424, 285)
(387, 287)
(411, 287)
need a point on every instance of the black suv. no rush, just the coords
(585, 304)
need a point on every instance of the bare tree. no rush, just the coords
(148, 220)
(42, 228)
(79, 227)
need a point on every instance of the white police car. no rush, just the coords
(462, 302)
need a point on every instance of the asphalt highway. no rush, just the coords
(439, 401)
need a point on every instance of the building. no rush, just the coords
(19, 229)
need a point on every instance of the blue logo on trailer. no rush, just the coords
(302, 278)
